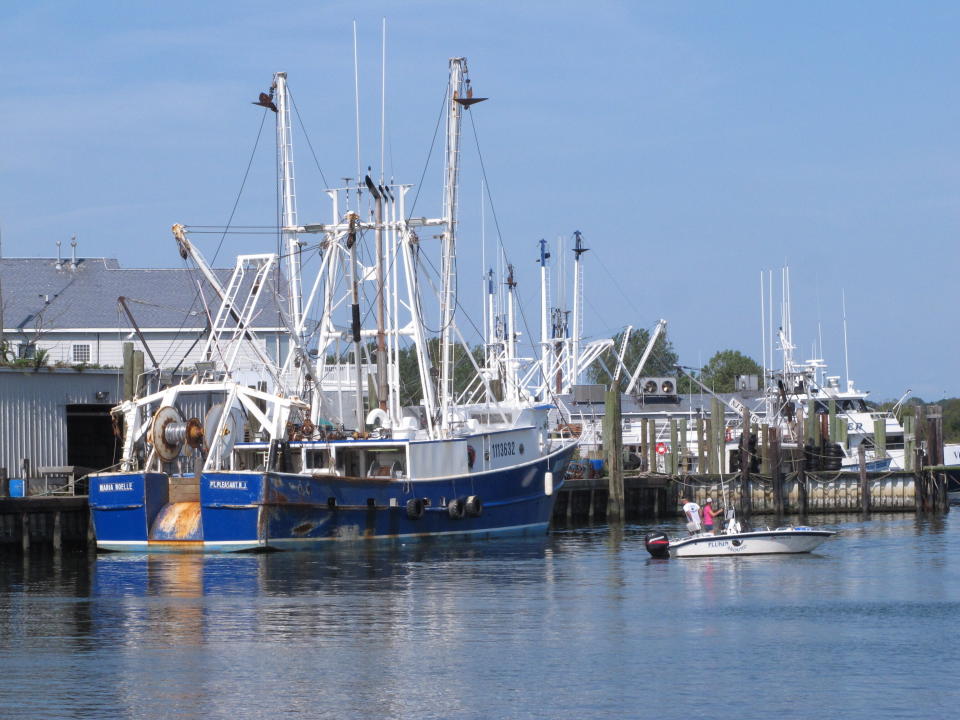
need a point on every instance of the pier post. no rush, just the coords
(674, 454)
(919, 487)
(717, 445)
(773, 445)
(766, 467)
(651, 445)
(802, 487)
(128, 381)
(880, 438)
(864, 483)
(938, 490)
(25, 532)
(57, 531)
(92, 534)
(613, 445)
(642, 449)
(746, 491)
(684, 464)
(824, 440)
(909, 442)
(138, 378)
(701, 445)
(834, 430)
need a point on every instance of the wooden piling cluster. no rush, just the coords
(770, 479)
(52, 522)
(796, 493)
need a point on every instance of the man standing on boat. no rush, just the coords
(692, 511)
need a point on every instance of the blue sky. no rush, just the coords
(693, 143)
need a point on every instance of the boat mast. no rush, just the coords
(544, 324)
(448, 299)
(289, 202)
(491, 321)
(381, 298)
(460, 95)
(354, 219)
(578, 250)
(511, 374)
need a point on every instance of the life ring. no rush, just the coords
(471, 456)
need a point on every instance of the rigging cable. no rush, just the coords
(496, 222)
(192, 270)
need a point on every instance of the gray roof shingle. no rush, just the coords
(38, 294)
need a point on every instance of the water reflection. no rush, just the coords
(565, 626)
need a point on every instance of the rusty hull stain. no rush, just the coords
(178, 521)
(303, 529)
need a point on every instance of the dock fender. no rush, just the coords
(473, 506)
(455, 508)
(415, 508)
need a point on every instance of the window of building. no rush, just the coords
(28, 351)
(81, 353)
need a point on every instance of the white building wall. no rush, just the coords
(168, 347)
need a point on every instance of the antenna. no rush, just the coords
(73, 254)
(59, 264)
(356, 95)
(488, 337)
(763, 332)
(770, 314)
(846, 357)
(383, 94)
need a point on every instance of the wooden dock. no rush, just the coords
(45, 521)
(57, 522)
(651, 496)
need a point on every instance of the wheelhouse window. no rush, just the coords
(81, 353)
(28, 351)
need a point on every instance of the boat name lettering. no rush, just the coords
(116, 487)
(726, 545)
(228, 484)
(503, 449)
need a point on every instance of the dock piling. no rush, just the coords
(864, 484)
(613, 443)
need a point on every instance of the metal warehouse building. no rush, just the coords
(53, 418)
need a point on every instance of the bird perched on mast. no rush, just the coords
(266, 100)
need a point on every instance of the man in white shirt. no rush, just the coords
(692, 512)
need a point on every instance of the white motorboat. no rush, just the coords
(783, 540)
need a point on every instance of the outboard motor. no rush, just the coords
(657, 544)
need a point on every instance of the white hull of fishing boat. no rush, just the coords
(759, 542)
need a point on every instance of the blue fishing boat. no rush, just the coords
(297, 446)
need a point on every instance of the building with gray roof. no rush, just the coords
(69, 308)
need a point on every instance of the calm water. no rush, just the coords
(578, 625)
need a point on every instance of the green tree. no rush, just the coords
(662, 360)
(463, 372)
(720, 373)
(949, 406)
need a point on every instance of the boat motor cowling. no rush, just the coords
(657, 544)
